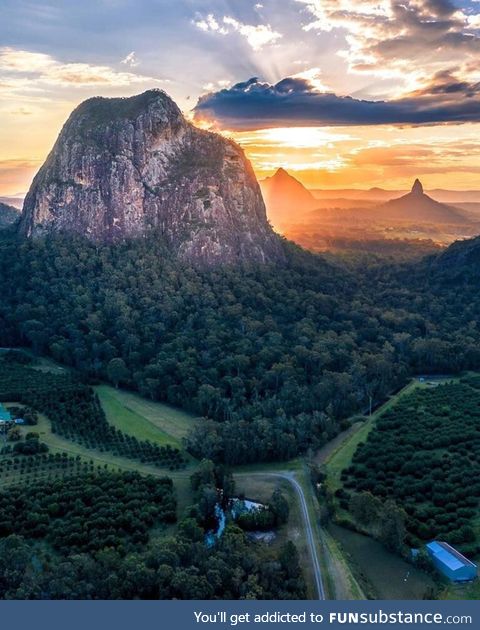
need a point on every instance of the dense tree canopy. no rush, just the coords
(276, 356)
(423, 453)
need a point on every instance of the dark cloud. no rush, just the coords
(440, 7)
(295, 102)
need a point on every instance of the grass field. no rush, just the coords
(383, 575)
(462, 591)
(145, 419)
(59, 444)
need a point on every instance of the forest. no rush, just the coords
(275, 358)
(423, 455)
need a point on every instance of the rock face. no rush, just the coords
(417, 188)
(125, 167)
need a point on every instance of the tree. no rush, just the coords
(14, 434)
(365, 509)
(279, 506)
(392, 527)
(117, 371)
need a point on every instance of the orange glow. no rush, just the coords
(363, 157)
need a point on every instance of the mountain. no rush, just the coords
(15, 202)
(127, 167)
(380, 194)
(8, 215)
(416, 206)
(355, 194)
(285, 197)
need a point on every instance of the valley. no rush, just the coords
(247, 415)
(342, 571)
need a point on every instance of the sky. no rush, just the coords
(342, 93)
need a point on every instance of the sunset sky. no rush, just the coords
(343, 93)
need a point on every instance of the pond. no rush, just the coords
(235, 507)
(213, 535)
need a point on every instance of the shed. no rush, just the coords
(451, 562)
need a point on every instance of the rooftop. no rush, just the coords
(449, 556)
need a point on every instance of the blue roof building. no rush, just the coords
(451, 563)
(5, 415)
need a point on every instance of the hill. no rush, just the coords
(460, 258)
(8, 215)
(286, 198)
(380, 194)
(416, 206)
(15, 202)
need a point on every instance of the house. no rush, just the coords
(450, 562)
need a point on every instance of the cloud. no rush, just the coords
(257, 36)
(16, 174)
(44, 69)
(295, 101)
(131, 60)
(398, 38)
(209, 23)
(409, 160)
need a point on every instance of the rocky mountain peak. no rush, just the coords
(127, 167)
(417, 188)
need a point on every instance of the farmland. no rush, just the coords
(146, 420)
(423, 453)
(76, 414)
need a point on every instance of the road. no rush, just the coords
(290, 477)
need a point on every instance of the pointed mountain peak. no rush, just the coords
(417, 188)
(281, 172)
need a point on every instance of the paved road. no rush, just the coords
(290, 477)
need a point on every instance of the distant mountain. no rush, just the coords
(8, 215)
(123, 168)
(285, 198)
(352, 194)
(16, 202)
(380, 194)
(416, 206)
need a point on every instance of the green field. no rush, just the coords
(145, 419)
(59, 444)
(383, 575)
(462, 591)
